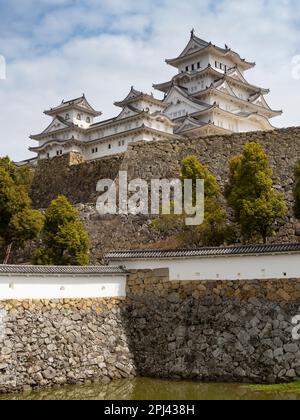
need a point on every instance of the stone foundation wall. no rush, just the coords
(213, 331)
(68, 175)
(237, 331)
(162, 159)
(53, 343)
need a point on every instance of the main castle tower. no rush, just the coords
(210, 94)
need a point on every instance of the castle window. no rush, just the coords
(79, 117)
(67, 117)
(199, 65)
(220, 66)
(193, 67)
(88, 120)
(187, 68)
(109, 146)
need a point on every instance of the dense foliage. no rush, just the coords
(214, 231)
(251, 195)
(19, 223)
(65, 241)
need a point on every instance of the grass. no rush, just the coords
(291, 387)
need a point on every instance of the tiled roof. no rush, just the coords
(60, 270)
(206, 252)
(75, 103)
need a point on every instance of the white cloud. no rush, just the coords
(104, 47)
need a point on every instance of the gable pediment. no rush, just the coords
(56, 125)
(195, 44)
(191, 48)
(177, 98)
(188, 125)
(126, 113)
(237, 75)
(224, 87)
(84, 104)
(260, 101)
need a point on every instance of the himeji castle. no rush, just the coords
(209, 95)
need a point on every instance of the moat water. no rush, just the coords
(154, 389)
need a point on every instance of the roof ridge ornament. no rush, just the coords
(193, 33)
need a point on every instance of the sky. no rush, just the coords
(59, 49)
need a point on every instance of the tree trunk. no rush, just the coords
(7, 254)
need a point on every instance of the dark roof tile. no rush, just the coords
(60, 270)
(206, 252)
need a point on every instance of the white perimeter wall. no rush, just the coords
(223, 268)
(65, 287)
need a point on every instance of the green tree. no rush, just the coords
(251, 195)
(214, 231)
(19, 223)
(297, 190)
(65, 241)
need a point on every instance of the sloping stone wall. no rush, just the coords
(213, 331)
(162, 160)
(237, 331)
(53, 343)
(68, 175)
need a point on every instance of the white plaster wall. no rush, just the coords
(65, 287)
(224, 60)
(223, 268)
(247, 125)
(204, 59)
(177, 110)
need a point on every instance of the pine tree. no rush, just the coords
(251, 195)
(65, 241)
(214, 231)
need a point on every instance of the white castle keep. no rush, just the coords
(208, 96)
